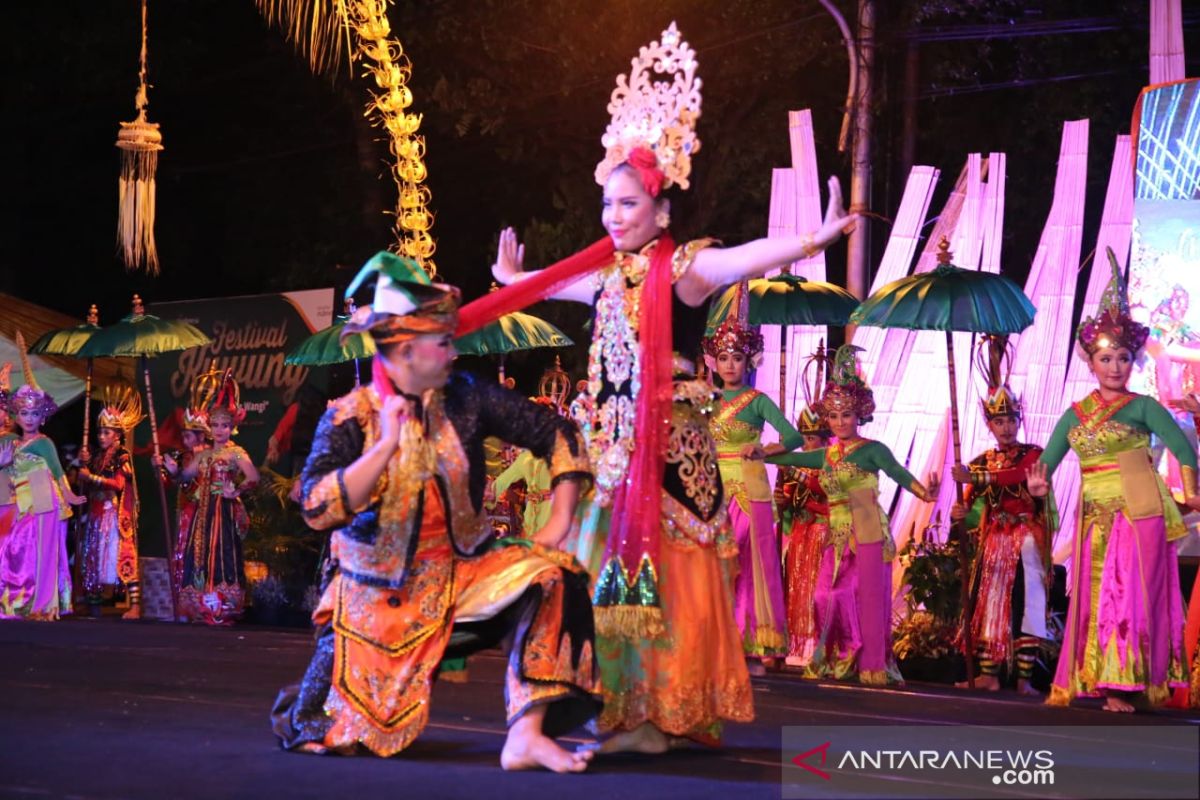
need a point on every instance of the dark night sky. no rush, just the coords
(268, 182)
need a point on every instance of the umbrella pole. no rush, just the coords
(357, 379)
(968, 645)
(162, 491)
(87, 437)
(87, 405)
(783, 337)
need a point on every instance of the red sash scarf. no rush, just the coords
(627, 603)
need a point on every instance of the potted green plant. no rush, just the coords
(279, 538)
(925, 640)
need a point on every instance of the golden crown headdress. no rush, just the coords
(810, 423)
(731, 336)
(655, 108)
(201, 394)
(845, 389)
(122, 408)
(999, 399)
(5, 382)
(1113, 326)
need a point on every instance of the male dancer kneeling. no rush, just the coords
(397, 470)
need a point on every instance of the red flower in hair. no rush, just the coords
(646, 163)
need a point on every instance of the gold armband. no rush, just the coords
(808, 246)
(1188, 477)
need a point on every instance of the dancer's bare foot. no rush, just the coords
(1025, 688)
(528, 748)
(645, 738)
(1118, 704)
(134, 612)
(988, 683)
(312, 748)
(541, 752)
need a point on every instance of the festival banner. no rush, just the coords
(251, 335)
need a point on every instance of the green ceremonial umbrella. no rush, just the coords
(510, 333)
(787, 300)
(142, 335)
(326, 346)
(949, 298)
(784, 300)
(68, 342)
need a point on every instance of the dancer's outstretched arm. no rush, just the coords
(715, 267)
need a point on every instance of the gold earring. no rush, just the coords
(662, 219)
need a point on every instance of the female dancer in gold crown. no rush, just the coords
(854, 586)
(213, 588)
(195, 438)
(1124, 632)
(737, 427)
(669, 652)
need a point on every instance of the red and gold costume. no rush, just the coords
(804, 516)
(1014, 543)
(1011, 573)
(110, 548)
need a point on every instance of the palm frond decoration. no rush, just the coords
(316, 27)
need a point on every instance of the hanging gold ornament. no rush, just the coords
(139, 142)
(318, 28)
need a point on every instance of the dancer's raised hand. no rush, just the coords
(933, 486)
(835, 211)
(1037, 479)
(510, 257)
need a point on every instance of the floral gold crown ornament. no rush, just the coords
(1113, 327)
(654, 111)
(999, 399)
(845, 389)
(122, 408)
(731, 336)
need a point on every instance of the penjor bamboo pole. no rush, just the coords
(162, 491)
(968, 645)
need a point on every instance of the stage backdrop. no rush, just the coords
(251, 335)
(1164, 267)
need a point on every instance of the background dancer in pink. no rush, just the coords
(737, 427)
